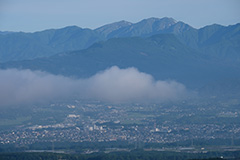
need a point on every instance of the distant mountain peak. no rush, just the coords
(113, 26)
(156, 23)
(67, 28)
(148, 24)
(164, 19)
(123, 22)
(71, 27)
(159, 20)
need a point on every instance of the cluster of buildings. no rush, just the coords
(155, 124)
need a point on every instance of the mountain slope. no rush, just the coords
(214, 41)
(20, 46)
(164, 56)
(220, 42)
(146, 27)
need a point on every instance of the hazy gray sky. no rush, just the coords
(35, 15)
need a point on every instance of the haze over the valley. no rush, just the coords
(112, 85)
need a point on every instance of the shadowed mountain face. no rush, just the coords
(214, 41)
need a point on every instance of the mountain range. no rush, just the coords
(214, 40)
(164, 48)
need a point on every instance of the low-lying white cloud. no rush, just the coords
(112, 85)
(129, 84)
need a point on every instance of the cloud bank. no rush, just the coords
(112, 85)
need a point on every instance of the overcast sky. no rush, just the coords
(36, 15)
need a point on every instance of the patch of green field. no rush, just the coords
(129, 122)
(135, 118)
(139, 115)
(13, 122)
